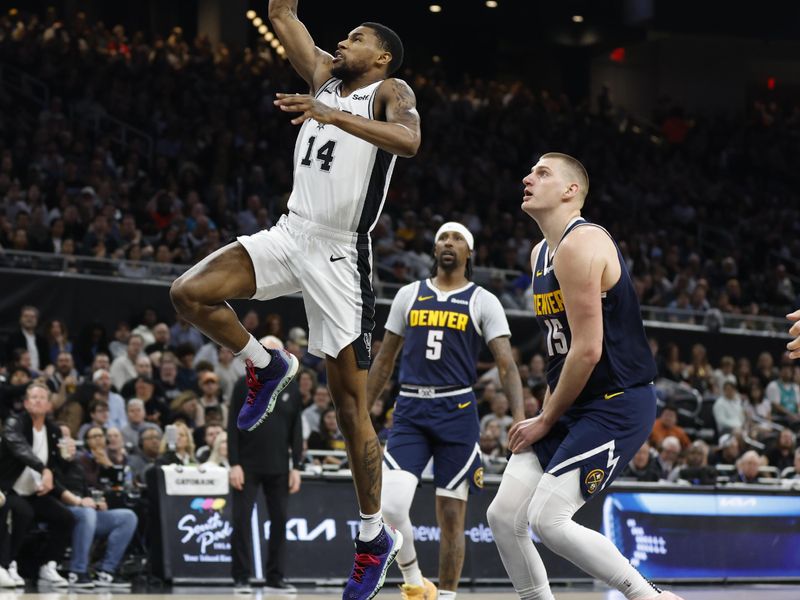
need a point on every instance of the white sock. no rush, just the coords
(370, 526)
(255, 352)
(411, 573)
(446, 595)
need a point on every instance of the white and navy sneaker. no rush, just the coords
(80, 580)
(109, 580)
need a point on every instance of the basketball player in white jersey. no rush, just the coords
(354, 123)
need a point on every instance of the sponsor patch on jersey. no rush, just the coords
(459, 301)
(593, 479)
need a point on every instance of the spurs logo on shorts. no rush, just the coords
(368, 344)
(594, 479)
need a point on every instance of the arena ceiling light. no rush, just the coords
(577, 18)
(263, 29)
(250, 14)
(257, 22)
(435, 8)
(491, 3)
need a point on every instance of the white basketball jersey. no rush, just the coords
(340, 180)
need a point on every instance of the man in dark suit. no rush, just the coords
(26, 338)
(28, 456)
(260, 459)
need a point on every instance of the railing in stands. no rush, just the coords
(25, 85)
(684, 319)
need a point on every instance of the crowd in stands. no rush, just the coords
(148, 375)
(704, 207)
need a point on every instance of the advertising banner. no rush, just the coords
(195, 524)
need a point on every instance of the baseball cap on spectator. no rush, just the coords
(88, 190)
(298, 336)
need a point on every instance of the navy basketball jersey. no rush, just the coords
(626, 360)
(442, 340)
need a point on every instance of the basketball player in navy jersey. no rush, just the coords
(354, 123)
(600, 404)
(439, 324)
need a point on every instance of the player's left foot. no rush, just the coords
(264, 386)
(371, 562)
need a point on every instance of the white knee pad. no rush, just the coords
(397, 494)
(554, 503)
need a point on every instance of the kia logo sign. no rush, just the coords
(297, 530)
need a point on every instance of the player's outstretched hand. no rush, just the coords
(527, 432)
(306, 104)
(794, 346)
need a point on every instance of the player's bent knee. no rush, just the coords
(397, 494)
(181, 294)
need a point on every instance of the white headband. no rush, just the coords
(458, 228)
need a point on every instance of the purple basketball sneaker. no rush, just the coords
(264, 387)
(371, 563)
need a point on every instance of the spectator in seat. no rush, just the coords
(136, 423)
(747, 468)
(666, 425)
(328, 437)
(499, 406)
(643, 467)
(162, 340)
(123, 368)
(668, 455)
(93, 520)
(183, 452)
(758, 412)
(149, 449)
(696, 471)
(728, 410)
(784, 394)
(724, 373)
(98, 413)
(782, 455)
(219, 452)
(728, 451)
(28, 460)
(313, 414)
(28, 339)
(210, 395)
(144, 368)
(116, 403)
(209, 437)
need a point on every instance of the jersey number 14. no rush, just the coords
(324, 154)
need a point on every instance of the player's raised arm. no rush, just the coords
(383, 366)
(500, 348)
(579, 265)
(310, 62)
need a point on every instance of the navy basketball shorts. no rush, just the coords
(445, 428)
(599, 437)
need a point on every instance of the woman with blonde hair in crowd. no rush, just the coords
(219, 452)
(183, 452)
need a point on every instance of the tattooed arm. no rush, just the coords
(398, 134)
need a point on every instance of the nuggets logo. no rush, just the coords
(207, 504)
(477, 477)
(594, 479)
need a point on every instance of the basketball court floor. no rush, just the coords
(720, 592)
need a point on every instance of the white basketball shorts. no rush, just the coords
(332, 269)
